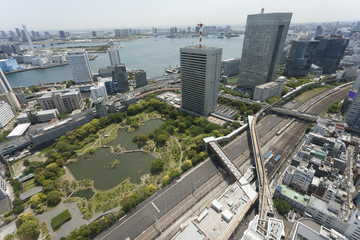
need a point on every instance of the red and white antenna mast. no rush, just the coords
(200, 45)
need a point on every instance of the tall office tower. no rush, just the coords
(6, 93)
(28, 37)
(120, 78)
(47, 34)
(352, 116)
(23, 35)
(12, 34)
(93, 33)
(3, 34)
(140, 77)
(18, 32)
(298, 62)
(4, 84)
(117, 32)
(33, 34)
(319, 31)
(200, 78)
(329, 53)
(62, 34)
(80, 66)
(264, 42)
(114, 55)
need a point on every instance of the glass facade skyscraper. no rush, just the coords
(264, 42)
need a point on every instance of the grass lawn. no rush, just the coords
(233, 80)
(60, 219)
(309, 94)
(28, 185)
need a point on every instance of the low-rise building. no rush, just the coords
(330, 214)
(99, 91)
(18, 131)
(302, 178)
(65, 100)
(270, 89)
(295, 199)
(8, 65)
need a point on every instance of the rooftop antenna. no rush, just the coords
(262, 10)
(200, 44)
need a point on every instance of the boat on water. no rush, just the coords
(172, 70)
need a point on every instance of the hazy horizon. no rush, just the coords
(85, 15)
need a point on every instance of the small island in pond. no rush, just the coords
(114, 164)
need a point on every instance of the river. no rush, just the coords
(153, 55)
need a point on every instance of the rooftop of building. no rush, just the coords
(289, 193)
(267, 85)
(46, 112)
(19, 130)
(337, 210)
(63, 92)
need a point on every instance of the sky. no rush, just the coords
(109, 14)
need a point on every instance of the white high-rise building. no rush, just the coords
(98, 91)
(6, 114)
(80, 66)
(114, 55)
(4, 84)
(200, 78)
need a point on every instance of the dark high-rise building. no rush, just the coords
(119, 76)
(352, 116)
(329, 53)
(319, 31)
(33, 34)
(47, 34)
(93, 33)
(18, 32)
(140, 77)
(299, 58)
(62, 34)
(6, 49)
(264, 42)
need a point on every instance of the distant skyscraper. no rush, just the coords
(264, 42)
(12, 34)
(329, 53)
(120, 78)
(299, 59)
(3, 34)
(140, 77)
(18, 32)
(319, 31)
(114, 55)
(62, 34)
(352, 116)
(4, 84)
(93, 33)
(200, 77)
(28, 37)
(47, 34)
(80, 66)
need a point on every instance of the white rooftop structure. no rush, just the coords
(19, 130)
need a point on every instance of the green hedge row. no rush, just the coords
(60, 219)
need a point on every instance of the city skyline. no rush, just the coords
(81, 14)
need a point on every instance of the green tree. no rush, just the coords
(157, 165)
(26, 162)
(27, 227)
(161, 139)
(142, 139)
(53, 198)
(186, 165)
(282, 206)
